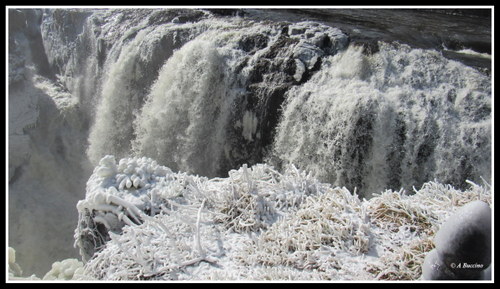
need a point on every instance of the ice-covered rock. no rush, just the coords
(64, 270)
(467, 235)
(176, 226)
(434, 267)
(222, 92)
(463, 245)
(118, 194)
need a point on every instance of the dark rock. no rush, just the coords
(463, 245)
(226, 12)
(369, 46)
(253, 43)
(270, 76)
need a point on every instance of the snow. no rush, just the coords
(84, 84)
(67, 269)
(64, 270)
(256, 224)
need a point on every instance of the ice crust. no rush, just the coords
(255, 224)
(204, 94)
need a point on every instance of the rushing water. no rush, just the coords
(366, 99)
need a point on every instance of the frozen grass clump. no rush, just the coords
(311, 237)
(402, 263)
(244, 206)
(256, 224)
(393, 212)
(405, 225)
(252, 199)
(119, 194)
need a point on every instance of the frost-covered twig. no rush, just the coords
(131, 208)
(288, 221)
(198, 241)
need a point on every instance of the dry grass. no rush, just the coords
(259, 224)
(405, 263)
(406, 225)
(309, 239)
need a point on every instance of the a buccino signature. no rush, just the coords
(463, 246)
(328, 143)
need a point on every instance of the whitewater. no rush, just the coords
(249, 144)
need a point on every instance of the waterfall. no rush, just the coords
(392, 119)
(120, 96)
(184, 120)
(204, 92)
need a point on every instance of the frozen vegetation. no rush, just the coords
(141, 221)
(240, 144)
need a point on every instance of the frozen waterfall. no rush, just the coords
(205, 92)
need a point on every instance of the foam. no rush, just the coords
(107, 81)
(392, 119)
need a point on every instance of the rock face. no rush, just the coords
(274, 66)
(45, 149)
(463, 245)
(206, 91)
(117, 195)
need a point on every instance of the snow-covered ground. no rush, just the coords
(141, 221)
(286, 145)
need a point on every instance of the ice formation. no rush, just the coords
(67, 269)
(390, 119)
(463, 245)
(205, 92)
(142, 221)
(14, 270)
